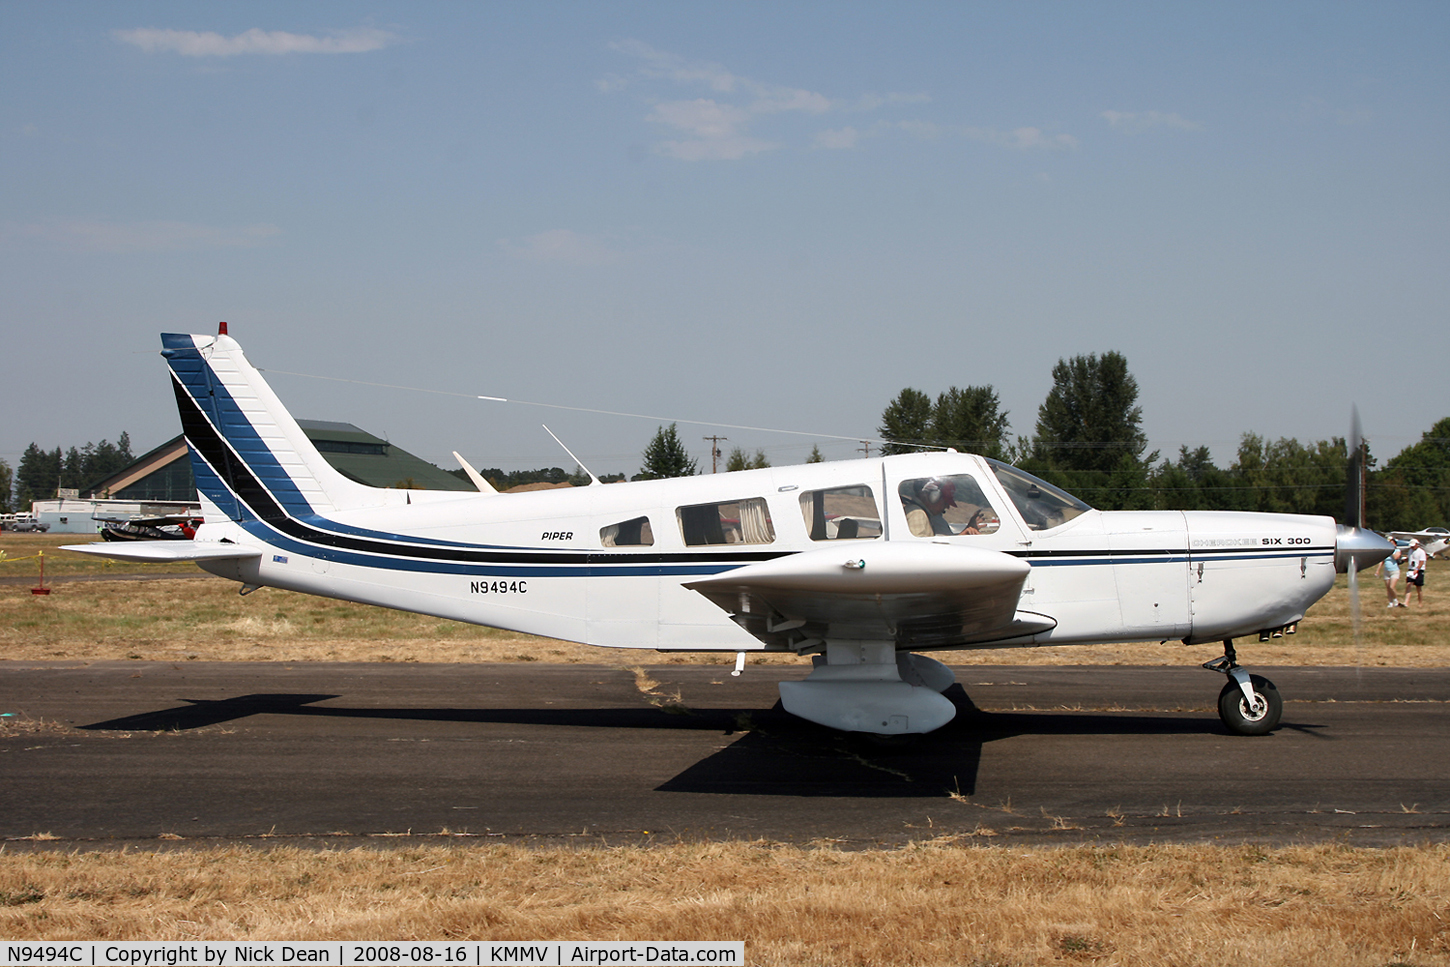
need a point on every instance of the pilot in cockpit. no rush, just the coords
(927, 500)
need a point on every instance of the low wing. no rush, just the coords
(917, 595)
(155, 552)
(1432, 540)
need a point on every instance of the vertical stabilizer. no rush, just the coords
(250, 458)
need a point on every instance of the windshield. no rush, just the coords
(1041, 505)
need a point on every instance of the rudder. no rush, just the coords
(250, 458)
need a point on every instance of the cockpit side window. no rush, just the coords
(841, 513)
(1041, 505)
(947, 506)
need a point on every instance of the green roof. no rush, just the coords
(371, 460)
(356, 453)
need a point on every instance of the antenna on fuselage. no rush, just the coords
(592, 479)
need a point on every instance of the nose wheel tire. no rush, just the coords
(1241, 718)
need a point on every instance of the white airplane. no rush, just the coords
(859, 565)
(1432, 539)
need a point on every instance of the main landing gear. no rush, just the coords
(1248, 704)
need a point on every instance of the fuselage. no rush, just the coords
(606, 564)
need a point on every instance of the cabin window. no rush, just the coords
(947, 506)
(841, 513)
(728, 522)
(1041, 505)
(628, 533)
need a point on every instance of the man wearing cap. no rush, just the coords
(1415, 573)
(925, 509)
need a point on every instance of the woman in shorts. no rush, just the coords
(1391, 566)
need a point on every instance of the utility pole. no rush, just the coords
(715, 452)
(866, 448)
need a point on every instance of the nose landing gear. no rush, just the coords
(1248, 704)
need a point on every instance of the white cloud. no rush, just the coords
(925, 130)
(610, 83)
(715, 128)
(658, 63)
(717, 131)
(128, 237)
(714, 149)
(561, 245)
(776, 99)
(719, 127)
(1020, 139)
(702, 117)
(844, 138)
(871, 102)
(192, 43)
(1024, 139)
(1142, 120)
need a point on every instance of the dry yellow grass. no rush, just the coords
(932, 904)
(18, 558)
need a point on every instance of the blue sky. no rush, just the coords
(768, 215)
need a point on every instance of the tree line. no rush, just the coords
(1088, 439)
(41, 472)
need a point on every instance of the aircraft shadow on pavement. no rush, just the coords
(777, 753)
(790, 757)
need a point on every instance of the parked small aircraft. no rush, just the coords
(859, 565)
(168, 527)
(1432, 539)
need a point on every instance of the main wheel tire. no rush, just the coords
(1240, 718)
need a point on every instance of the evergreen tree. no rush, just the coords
(1287, 477)
(1091, 417)
(1193, 483)
(37, 476)
(41, 472)
(1413, 489)
(906, 421)
(739, 461)
(1089, 436)
(815, 456)
(7, 487)
(666, 457)
(970, 420)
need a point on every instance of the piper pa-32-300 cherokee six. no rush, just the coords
(860, 565)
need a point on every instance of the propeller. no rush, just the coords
(1356, 548)
(1354, 517)
(1354, 477)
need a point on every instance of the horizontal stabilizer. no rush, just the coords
(158, 552)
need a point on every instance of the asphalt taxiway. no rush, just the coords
(345, 754)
